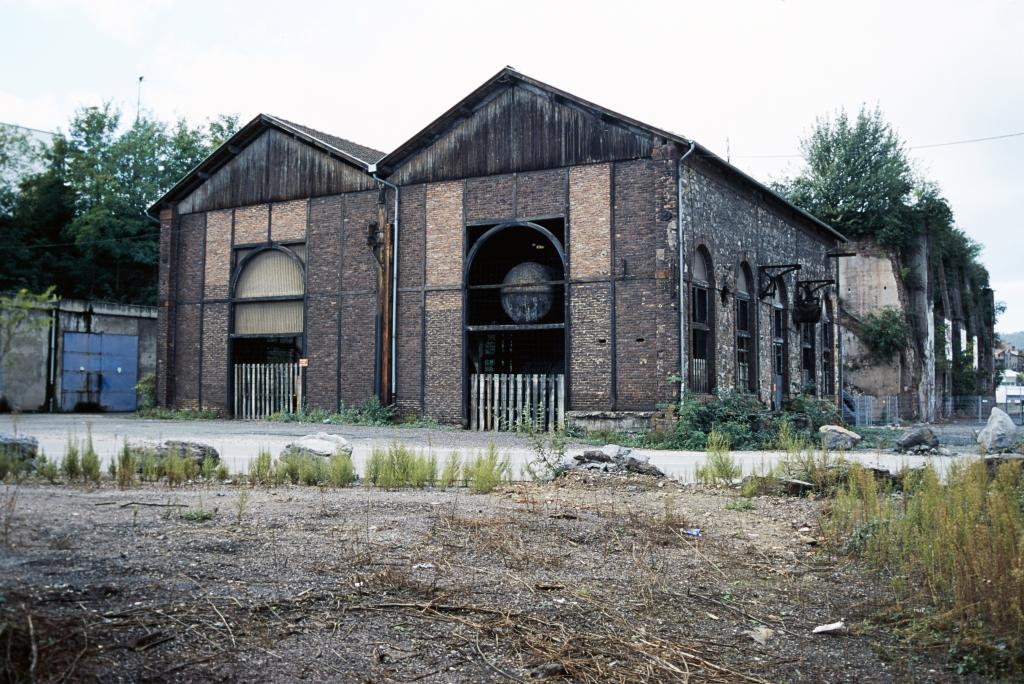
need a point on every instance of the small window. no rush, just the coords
(746, 377)
(702, 318)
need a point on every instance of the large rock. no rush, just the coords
(838, 438)
(197, 451)
(321, 444)
(613, 458)
(25, 449)
(916, 438)
(999, 434)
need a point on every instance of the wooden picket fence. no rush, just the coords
(265, 388)
(499, 401)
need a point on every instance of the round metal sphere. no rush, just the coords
(523, 298)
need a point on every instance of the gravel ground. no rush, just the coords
(586, 579)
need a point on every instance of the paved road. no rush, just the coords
(239, 441)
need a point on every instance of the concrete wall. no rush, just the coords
(25, 382)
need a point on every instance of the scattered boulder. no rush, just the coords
(197, 451)
(24, 448)
(838, 438)
(613, 458)
(794, 487)
(322, 444)
(918, 440)
(999, 434)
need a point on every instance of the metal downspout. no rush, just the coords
(394, 290)
(682, 284)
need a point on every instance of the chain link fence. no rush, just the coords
(866, 410)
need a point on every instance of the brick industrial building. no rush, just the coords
(533, 265)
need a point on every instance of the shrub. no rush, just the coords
(70, 464)
(884, 332)
(548, 454)
(487, 470)
(222, 474)
(145, 391)
(176, 467)
(741, 504)
(741, 417)
(371, 412)
(149, 466)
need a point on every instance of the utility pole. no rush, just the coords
(138, 101)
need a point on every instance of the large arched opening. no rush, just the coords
(515, 324)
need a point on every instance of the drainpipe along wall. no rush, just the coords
(682, 282)
(396, 242)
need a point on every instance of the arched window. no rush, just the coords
(780, 332)
(268, 294)
(808, 359)
(828, 385)
(701, 323)
(746, 337)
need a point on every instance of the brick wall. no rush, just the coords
(215, 358)
(591, 344)
(409, 370)
(590, 226)
(490, 198)
(541, 193)
(252, 224)
(444, 356)
(444, 234)
(358, 313)
(166, 313)
(323, 311)
(288, 220)
(187, 351)
(218, 253)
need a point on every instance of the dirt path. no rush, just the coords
(586, 581)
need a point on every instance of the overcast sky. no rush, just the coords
(743, 78)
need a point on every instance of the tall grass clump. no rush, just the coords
(70, 464)
(341, 471)
(45, 468)
(485, 471)
(452, 471)
(261, 470)
(399, 466)
(126, 467)
(719, 465)
(90, 460)
(958, 545)
(176, 467)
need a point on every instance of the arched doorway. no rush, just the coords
(515, 325)
(267, 328)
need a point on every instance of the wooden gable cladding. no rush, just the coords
(272, 168)
(518, 127)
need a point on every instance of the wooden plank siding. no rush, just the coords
(273, 168)
(521, 128)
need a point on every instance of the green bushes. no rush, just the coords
(957, 545)
(884, 332)
(70, 465)
(371, 412)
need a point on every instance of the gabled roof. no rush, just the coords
(509, 76)
(354, 154)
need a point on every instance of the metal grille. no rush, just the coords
(699, 380)
(268, 318)
(512, 401)
(265, 388)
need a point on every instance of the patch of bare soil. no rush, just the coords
(591, 580)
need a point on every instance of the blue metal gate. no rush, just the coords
(99, 371)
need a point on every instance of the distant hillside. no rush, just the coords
(1016, 339)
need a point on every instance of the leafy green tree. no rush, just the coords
(81, 224)
(858, 179)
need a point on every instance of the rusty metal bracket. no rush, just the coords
(768, 277)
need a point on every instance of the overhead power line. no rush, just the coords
(909, 147)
